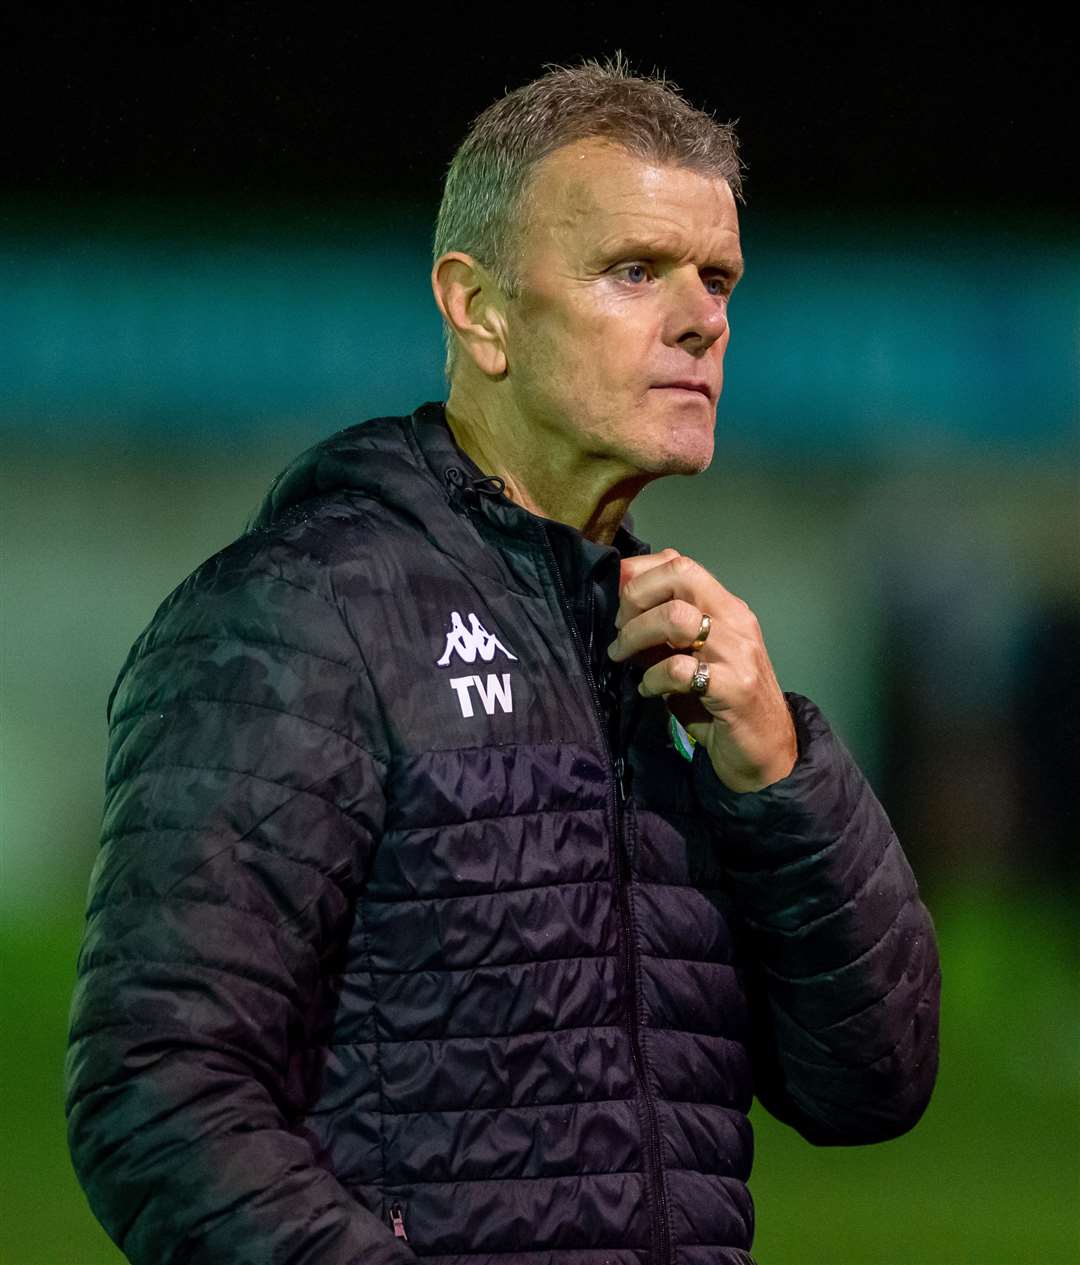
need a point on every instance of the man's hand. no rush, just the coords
(741, 718)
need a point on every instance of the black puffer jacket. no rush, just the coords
(411, 934)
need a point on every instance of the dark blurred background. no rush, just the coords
(214, 250)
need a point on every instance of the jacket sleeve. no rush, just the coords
(243, 799)
(843, 973)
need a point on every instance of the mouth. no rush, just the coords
(686, 385)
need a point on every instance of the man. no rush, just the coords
(465, 870)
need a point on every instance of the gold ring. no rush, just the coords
(699, 682)
(703, 633)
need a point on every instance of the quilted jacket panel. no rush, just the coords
(378, 940)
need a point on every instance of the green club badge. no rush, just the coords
(681, 740)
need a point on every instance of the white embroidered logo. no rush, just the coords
(467, 643)
(470, 642)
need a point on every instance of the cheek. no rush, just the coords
(585, 354)
(580, 358)
(545, 335)
(621, 349)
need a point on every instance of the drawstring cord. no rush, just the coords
(457, 484)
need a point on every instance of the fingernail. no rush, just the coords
(612, 648)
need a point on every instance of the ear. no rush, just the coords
(473, 307)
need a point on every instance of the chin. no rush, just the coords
(686, 442)
(687, 463)
(689, 451)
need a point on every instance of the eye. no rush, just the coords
(635, 273)
(717, 286)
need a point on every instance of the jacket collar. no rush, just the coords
(382, 459)
(482, 496)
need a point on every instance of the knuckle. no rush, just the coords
(745, 613)
(629, 589)
(686, 669)
(681, 615)
(745, 681)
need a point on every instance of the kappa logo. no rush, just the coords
(469, 643)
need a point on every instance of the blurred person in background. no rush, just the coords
(465, 870)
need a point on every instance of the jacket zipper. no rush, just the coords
(617, 793)
(652, 1140)
(397, 1220)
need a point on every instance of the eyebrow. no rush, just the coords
(731, 266)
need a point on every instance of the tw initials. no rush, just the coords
(495, 689)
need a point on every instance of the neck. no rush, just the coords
(541, 476)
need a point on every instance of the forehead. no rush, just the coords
(591, 191)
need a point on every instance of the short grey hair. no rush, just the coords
(483, 209)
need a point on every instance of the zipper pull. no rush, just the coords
(398, 1222)
(622, 779)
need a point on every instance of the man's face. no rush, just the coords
(616, 339)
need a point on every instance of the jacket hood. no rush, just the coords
(379, 458)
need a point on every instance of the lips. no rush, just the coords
(686, 384)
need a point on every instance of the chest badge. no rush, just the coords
(469, 642)
(681, 740)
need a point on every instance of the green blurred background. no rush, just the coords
(894, 493)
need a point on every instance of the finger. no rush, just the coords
(675, 624)
(684, 579)
(630, 568)
(671, 675)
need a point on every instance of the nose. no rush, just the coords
(697, 318)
